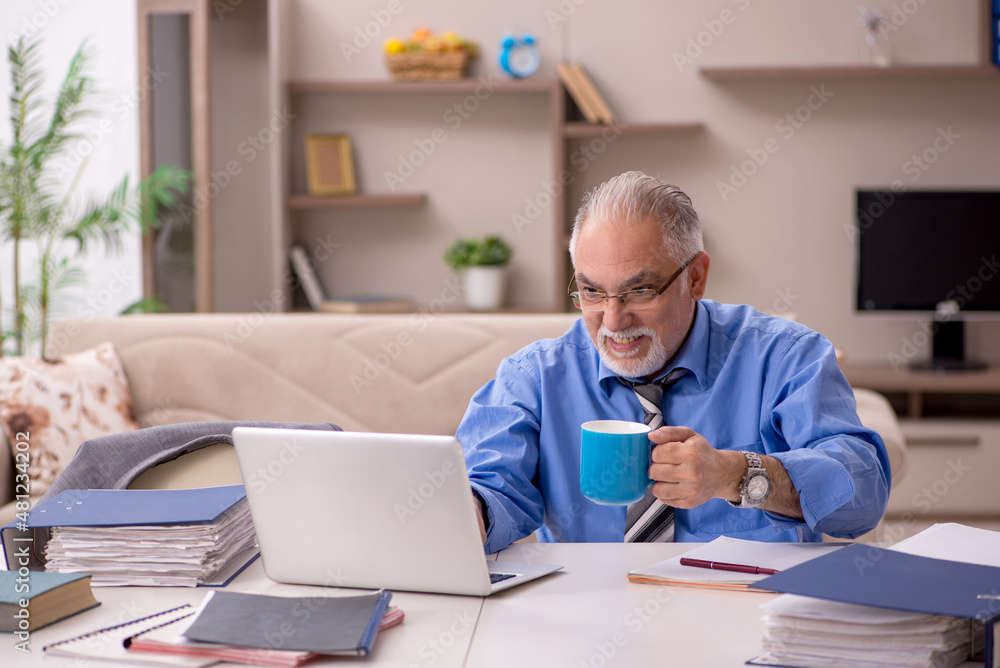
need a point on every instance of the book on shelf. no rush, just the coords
(31, 601)
(169, 639)
(777, 556)
(317, 296)
(930, 600)
(372, 304)
(148, 537)
(585, 94)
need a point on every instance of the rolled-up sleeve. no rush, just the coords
(500, 436)
(839, 467)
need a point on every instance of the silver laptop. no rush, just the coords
(352, 509)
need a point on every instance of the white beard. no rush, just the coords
(628, 364)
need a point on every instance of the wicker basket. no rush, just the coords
(427, 66)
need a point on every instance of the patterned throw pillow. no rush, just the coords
(60, 404)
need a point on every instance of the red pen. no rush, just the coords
(722, 566)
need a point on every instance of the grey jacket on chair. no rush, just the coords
(113, 462)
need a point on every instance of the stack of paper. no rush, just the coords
(928, 602)
(813, 633)
(176, 537)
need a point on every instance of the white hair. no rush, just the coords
(632, 198)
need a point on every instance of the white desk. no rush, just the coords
(586, 615)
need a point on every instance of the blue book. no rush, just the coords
(24, 540)
(321, 624)
(49, 597)
(867, 575)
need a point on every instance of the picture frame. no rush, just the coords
(330, 165)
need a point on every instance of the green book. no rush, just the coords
(30, 600)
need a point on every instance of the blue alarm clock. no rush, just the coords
(519, 56)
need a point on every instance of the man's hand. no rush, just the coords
(690, 471)
(479, 516)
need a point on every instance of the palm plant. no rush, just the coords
(37, 205)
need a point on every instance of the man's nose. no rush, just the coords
(616, 315)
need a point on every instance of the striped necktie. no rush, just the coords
(649, 520)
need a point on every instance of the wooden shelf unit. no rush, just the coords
(948, 394)
(583, 130)
(303, 202)
(901, 72)
(563, 126)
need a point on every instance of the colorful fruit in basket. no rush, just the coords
(423, 40)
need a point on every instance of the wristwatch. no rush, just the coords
(756, 483)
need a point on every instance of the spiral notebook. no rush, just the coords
(108, 644)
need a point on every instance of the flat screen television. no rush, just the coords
(930, 251)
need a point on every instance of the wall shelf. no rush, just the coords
(302, 202)
(787, 72)
(583, 130)
(467, 85)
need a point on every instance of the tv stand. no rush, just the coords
(918, 394)
(948, 365)
(948, 350)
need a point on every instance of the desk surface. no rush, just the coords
(588, 615)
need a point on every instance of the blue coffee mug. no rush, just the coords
(614, 461)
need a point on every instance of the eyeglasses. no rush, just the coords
(636, 300)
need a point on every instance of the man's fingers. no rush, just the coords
(667, 434)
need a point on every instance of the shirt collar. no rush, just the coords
(692, 356)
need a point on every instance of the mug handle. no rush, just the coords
(649, 462)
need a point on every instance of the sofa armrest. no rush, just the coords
(876, 413)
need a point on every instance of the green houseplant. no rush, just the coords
(40, 205)
(481, 263)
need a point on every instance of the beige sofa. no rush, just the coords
(408, 373)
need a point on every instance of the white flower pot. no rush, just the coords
(484, 288)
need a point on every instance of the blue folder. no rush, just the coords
(111, 507)
(868, 575)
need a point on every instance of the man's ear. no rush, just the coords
(698, 275)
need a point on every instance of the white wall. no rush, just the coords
(115, 281)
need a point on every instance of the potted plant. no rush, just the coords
(482, 262)
(40, 205)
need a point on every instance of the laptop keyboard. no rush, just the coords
(500, 577)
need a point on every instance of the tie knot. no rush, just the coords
(657, 386)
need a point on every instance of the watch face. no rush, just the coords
(758, 487)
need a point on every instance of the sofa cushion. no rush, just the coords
(61, 403)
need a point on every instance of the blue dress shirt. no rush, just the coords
(754, 382)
